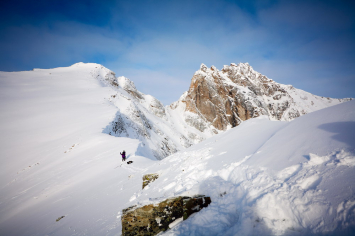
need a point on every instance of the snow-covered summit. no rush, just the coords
(126, 84)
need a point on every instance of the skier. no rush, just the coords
(123, 154)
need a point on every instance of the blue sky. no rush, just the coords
(160, 44)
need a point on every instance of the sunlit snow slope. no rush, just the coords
(268, 177)
(264, 177)
(55, 159)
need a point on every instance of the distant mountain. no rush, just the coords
(219, 100)
(216, 101)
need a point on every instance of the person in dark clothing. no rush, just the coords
(123, 154)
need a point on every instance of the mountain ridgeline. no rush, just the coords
(216, 101)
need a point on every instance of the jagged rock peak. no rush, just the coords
(241, 68)
(241, 64)
(223, 99)
(203, 67)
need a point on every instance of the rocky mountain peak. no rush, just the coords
(223, 99)
(216, 100)
(213, 68)
(203, 67)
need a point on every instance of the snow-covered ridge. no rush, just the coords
(140, 116)
(216, 101)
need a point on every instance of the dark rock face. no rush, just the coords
(195, 204)
(152, 219)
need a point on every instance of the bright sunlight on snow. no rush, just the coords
(61, 174)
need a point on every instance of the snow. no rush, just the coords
(176, 222)
(278, 188)
(264, 177)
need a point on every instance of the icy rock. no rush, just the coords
(203, 67)
(129, 87)
(148, 178)
(152, 219)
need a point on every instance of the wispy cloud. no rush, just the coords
(160, 44)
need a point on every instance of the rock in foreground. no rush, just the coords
(152, 219)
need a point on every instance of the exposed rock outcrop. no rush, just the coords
(152, 219)
(223, 99)
(148, 178)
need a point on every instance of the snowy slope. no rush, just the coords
(268, 177)
(57, 157)
(264, 176)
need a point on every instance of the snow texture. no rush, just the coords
(264, 177)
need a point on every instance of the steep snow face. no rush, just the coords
(218, 100)
(143, 117)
